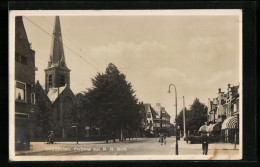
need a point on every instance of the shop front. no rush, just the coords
(230, 130)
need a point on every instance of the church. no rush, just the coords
(58, 111)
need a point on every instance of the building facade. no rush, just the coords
(161, 119)
(223, 115)
(149, 118)
(158, 120)
(24, 82)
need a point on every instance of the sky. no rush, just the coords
(196, 53)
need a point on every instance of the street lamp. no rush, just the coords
(176, 115)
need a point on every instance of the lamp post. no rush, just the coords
(184, 121)
(175, 116)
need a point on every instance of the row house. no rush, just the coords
(24, 82)
(157, 119)
(163, 118)
(149, 118)
(223, 114)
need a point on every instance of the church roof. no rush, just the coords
(57, 57)
(38, 89)
(54, 93)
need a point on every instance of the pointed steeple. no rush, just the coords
(57, 58)
(57, 74)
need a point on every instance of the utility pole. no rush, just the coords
(184, 119)
(161, 120)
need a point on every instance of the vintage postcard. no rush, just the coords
(125, 85)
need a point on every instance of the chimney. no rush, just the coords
(228, 85)
(219, 90)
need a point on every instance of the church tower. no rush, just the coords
(57, 73)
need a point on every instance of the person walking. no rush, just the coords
(164, 138)
(51, 138)
(205, 143)
(161, 138)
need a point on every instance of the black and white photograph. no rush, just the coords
(125, 85)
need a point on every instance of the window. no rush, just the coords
(222, 101)
(148, 115)
(33, 98)
(20, 91)
(24, 60)
(21, 59)
(18, 57)
(62, 80)
(50, 81)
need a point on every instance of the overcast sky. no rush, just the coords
(199, 54)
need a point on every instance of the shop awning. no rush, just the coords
(203, 128)
(210, 128)
(216, 127)
(230, 123)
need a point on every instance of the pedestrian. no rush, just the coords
(205, 143)
(51, 137)
(48, 137)
(164, 138)
(161, 138)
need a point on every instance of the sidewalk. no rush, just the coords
(219, 146)
(215, 150)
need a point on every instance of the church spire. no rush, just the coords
(57, 58)
(57, 74)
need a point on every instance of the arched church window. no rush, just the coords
(62, 80)
(50, 81)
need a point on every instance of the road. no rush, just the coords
(140, 146)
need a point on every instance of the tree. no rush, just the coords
(42, 116)
(111, 104)
(196, 116)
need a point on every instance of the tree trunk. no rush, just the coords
(106, 136)
(121, 134)
(114, 138)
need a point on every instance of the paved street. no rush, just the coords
(139, 146)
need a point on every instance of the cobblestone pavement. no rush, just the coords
(139, 146)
